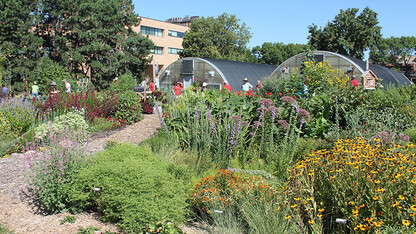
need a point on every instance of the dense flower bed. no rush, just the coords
(369, 184)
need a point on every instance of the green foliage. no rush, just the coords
(135, 188)
(396, 51)
(101, 124)
(358, 180)
(220, 38)
(277, 53)
(128, 108)
(53, 166)
(411, 132)
(68, 219)
(348, 34)
(16, 117)
(124, 84)
(87, 230)
(5, 230)
(18, 44)
(163, 227)
(48, 71)
(71, 121)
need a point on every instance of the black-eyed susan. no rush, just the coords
(406, 222)
(413, 207)
(288, 217)
(377, 181)
(375, 198)
(311, 221)
(321, 210)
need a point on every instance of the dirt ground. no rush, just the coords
(19, 210)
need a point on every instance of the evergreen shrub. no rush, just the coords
(129, 185)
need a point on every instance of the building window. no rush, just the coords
(174, 50)
(156, 50)
(151, 31)
(176, 34)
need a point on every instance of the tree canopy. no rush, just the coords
(90, 38)
(277, 53)
(395, 51)
(349, 33)
(219, 38)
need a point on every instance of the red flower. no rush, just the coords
(280, 94)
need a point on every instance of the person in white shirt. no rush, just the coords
(246, 86)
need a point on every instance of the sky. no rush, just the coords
(285, 21)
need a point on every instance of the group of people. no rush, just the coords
(246, 86)
(53, 90)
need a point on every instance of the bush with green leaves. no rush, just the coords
(73, 121)
(128, 109)
(16, 117)
(124, 84)
(129, 185)
(48, 71)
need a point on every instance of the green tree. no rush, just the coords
(219, 38)
(349, 33)
(395, 51)
(18, 45)
(94, 38)
(277, 53)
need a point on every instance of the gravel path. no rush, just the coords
(19, 211)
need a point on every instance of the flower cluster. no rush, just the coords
(226, 188)
(372, 186)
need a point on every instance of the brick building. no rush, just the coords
(167, 38)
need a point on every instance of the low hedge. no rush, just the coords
(136, 188)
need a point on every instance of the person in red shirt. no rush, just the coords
(227, 86)
(151, 86)
(177, 89)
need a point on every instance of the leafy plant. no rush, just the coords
(53, 163)
(68, 219)
(133, 188)
(71, 121)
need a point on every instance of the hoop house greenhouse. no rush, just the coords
(213, 72)
(359, 68)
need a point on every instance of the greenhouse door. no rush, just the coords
(187, 80)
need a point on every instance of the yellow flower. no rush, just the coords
(401, 197)
(288, 217)
(296, 198)
(310, 221)
(319, 215)
(378, 224)
(413, 181)
(375, 198)
(406, 223)
(394, 204)
(321, 210)
(350, 203)
(413, 207)
(294, 206)
(309, 199)
(377, 181)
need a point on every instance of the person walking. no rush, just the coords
(246, 86)
(35, 90)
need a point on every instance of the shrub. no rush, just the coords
(73, 121)
(16, 116)
(411, 132)
(128, 108)
(370, 185)
(53, 163)
(135, 188)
